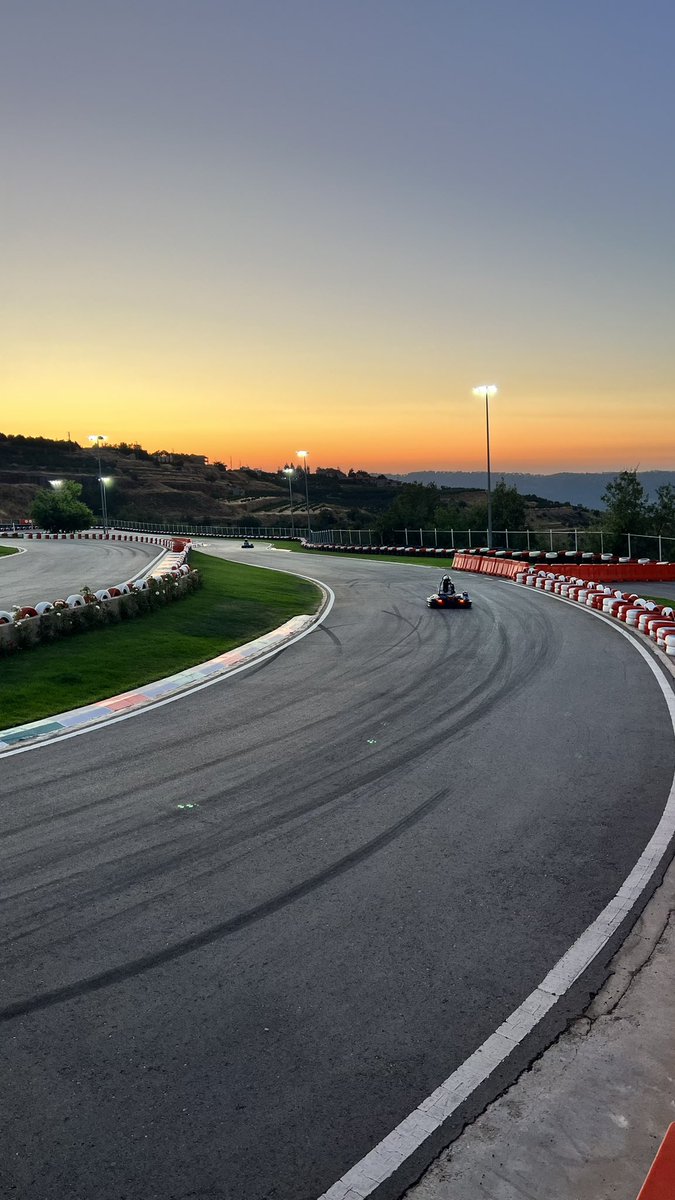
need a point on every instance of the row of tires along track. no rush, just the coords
(654, 620)
(173, 563)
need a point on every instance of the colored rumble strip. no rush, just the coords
(205, 672)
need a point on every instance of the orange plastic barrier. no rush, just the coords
(660, 1182)
(601, 572)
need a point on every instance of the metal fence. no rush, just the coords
(594, 541)
(220, 531)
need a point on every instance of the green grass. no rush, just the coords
(236, 604)
(663, 601)
(8, 550)
(395, 558)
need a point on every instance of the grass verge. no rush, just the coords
(236, 604)
(8, 550)
(394, 558)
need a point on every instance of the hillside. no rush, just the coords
(161, 487)
(184, 488)
(567, 487)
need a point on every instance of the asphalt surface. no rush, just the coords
(54, 570)
(400, 824)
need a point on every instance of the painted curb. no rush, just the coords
(162, 689)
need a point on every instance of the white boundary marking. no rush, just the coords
(364, 1179)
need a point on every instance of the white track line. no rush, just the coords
(367, 1176)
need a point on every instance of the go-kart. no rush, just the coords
(247, 545)
(449, 600)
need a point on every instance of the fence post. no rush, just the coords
(660, 549)
(406, 537)
(421, 539)
(528, 539)
(506, 534)
(629, 553)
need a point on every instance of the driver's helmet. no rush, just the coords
(445, 579)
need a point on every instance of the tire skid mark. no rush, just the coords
(224, 928)
(200, 854)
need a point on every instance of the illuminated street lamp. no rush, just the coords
(97, 439)
(487, 390)
(56, 484)
(304, 454)
(289, 472)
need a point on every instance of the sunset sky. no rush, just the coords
(245, 228)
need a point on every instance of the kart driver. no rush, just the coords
(447, 587)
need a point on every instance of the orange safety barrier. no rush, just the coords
(602, 572)
(660, 1182)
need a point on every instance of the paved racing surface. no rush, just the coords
(54, 570)
(400, 824)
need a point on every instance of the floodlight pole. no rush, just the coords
(487, 389)
(304, 455)
(289, 472)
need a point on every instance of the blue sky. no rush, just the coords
(238, 227)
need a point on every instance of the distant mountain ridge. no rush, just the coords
(575, 487)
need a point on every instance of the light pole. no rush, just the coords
(487, 390)
(304, 454)
(289, 472)
(96, 439)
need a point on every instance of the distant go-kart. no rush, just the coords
(246, 545)
(449, 600)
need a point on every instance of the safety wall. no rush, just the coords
(602, 572)
(486, 566)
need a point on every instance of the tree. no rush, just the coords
(508, 507)
(413, 507)
(662, 513)
(627, 510)
(61, 510)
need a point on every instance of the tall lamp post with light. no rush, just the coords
(487, 390)
(289, 472)
(304, 455)
(97, 439)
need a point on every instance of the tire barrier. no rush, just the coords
(172, 564)
(398, 551)
(655, 621)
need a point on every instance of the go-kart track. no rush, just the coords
(50, 570)
(247, 932)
